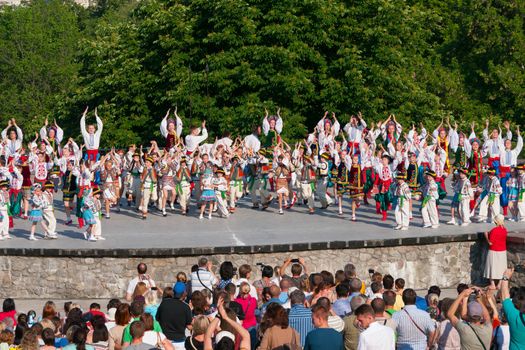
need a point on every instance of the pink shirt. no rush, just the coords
(248, 305)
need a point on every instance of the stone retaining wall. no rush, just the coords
(444, 264)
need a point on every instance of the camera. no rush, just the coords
(371, 271)
(519, 268)
(294, 260)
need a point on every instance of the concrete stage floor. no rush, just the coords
(247, 227)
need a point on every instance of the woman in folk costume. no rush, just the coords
(13, 141)
(508, 160)
(355, 185)
(221, 192)
(92, 211)
(412, 178)
(354, 132)
(390, 130)
(69, 188)
(109, 181)
(438, 163)
(460, 146)
(521, 192)
(327, 130)
(402, 195)
(463, 193)
(282, 178)
(207, 192)
(272, 126)
(171, 129)
(37, 205)
(84, 177)
(169, 171)
(5, 212)
(414, 139)
(195, 138)
(54, 136)
(343, 163)
(15, 191)
(48, 213)
(367, 150)
(183, 185)
(513, 194)
(442, 139)
(490, 196)
(384, 174)
(492, 144)
(236, 180)
(430, 195)
(91, 135)
(133, 184)
(306, 178)
(475, 164)
(26, 168)
(322, 165)
(148, 178)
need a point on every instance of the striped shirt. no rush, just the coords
(408, 335)
(202, 279)
(300, 319)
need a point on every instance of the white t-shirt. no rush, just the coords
(142, 278)
(377, 337)
(152, 338)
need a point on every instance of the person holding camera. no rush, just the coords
(298, 277)
(203, 277)
(142, 277)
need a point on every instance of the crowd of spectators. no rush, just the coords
(289, 307)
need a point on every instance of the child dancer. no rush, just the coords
(48, 212)
(491, 196)
(69, 189)
(402, 194)
(282, 175)
(91, 135)
(463, 193)
(355, 185)
(513, 191)
(91, 215)
(221, 187)
(4, 210)
(430, 196)
(37, 204)
(208, 192)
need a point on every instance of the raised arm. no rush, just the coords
(279, 122)
(83, 122)
(164, 125)
(100, 125)
(451, 314)
(178, 122)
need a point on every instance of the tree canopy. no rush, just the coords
(227, 60)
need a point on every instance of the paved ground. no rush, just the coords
(245, 227)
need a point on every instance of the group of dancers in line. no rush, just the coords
(395, 168)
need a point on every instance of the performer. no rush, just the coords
(13, 143)
(272, 128)
(37, 204)
(343, 164)
(53, 136)
(521, 192)
(194, 139)
(168, 171)
(91, 135)
(402, 195)
(322, 166)
(133, 183)
(367, 154)
(171, 129)
(282, 177)
(184, 185)
(430, 196)
(412, 178)
(148, 179)
(26, 183)
(109, 181)
(263, 183)
(307, 180)
(390, 130)
(443, 141)
(236, 181)
(40, 167)
(355, 185)
(91, 213)
(383, 169)
(69, 189)
(207, 193)
(327, 131)
(15, 191)
(513, 191)
(4, 210)
(463, 193)
(221, 188)
(494, 144)
(490, 196)
(354, 132)
(48, 211)
(508, 159)
(84, 176)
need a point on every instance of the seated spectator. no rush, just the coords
(174, 316)
(99, 336)
(378, 305)
(277, 332)
(342, 304)
(151, 337)
(203, 277)
(21, 328)
(30, 341)
(49, 311)
(112, 309)
(199, 326)
(322, 337)
(476, 331)
(299, 272)
(415, 329)
(137, 330)
(122, 319)
(142, 276)
(8, 310)
(375, 336)
(300, 317)
(350, 331)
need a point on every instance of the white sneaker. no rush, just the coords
(209, 217)
(172, 207)
(465, 224)
(427, 226)
(100, 238)
(2, 238)
(53, 236)
(404, 228)
(398, 227)
(33, 238)
(434, 226)
(85, 235)
(201, 217)
(281, 211)
(522, 220)
(8, 237)
(452, 222)
(92, 239)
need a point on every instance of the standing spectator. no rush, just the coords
(415, 328)
(152, 302)
(447, 337)
(342, 304)
(514, 310)
(229, 300)
(245, 272)
(48, 337)
(142, 277)
(137, 330)
(335, 322)
(227, 273)
(378, 305)
(497, 256)
(350, 331)
(388, 284)
(476, 332)
(152, 337)
(136, 310)
(248, 305)
(279, 333)
(300, 317)
(374, 336)
(355, 288)
(299, 272)
(322, 337)
(78, 340)
(350, 274)
(196, 340)
(8, 310)
(122, 318)
(389, 298)
(174, 316)
(265, 281)
(203, 277)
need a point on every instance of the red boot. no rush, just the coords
(378, 207)
(505, 211)
(384, 216)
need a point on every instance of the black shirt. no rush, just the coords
(173, 316)
(197, 345)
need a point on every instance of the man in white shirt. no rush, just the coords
(142, 277)
(91, 135)
(194, 139)
(375, 336)
(245, 272)
(203, 277)
(12, 142)
(252, 142)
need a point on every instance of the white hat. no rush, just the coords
(224, 334)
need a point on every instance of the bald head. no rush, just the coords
(275, 291)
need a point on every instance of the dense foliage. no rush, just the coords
(226, 60)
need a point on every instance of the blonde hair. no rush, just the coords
(151, 297)
(244, 288)
(499, 220)
(200, 324)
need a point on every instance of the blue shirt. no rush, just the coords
(300, 319)
(516, 325)
(324, 338)
(421, 303)
(342, 307)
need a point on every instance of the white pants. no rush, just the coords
(484, 208)
(308, 194)
(184, 197)
(521, 209)
(235, 192)
(51, 221)
(222, 206)
(430, 213)
(402, 213)
(464, 210)
(96, 231)
(149, 193)
(4, 223)
(321, 191)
